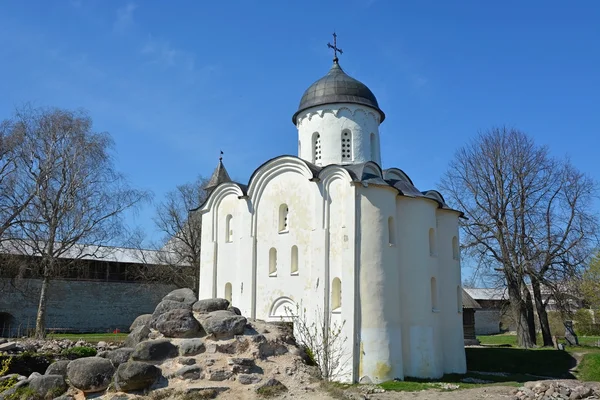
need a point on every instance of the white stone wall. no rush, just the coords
(330, 122)
(487, 321)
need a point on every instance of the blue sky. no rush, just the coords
(175, 82)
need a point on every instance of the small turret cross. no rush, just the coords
(335, 48)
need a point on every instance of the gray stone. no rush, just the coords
(183, 295)
(167, 305)
(189, 372)
(234, 310)
(8, 346)
(187, 361)
(210, 305)
(249, 362)
(219, 375)
(154, 350)
(270, 349)
(58, 368)
(90, 374)
(248, 379)
(223, 324)
(138, 335)
(2, 341)
(191, 347)
(44, 385)
(119, 356)
(178, 324)
(273, 386)
(135, 375)
(65, 397)
(34, 375)
(142, 320)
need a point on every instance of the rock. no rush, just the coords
(167, 305)
(90, 374)
(209, 305)
(34, 375)
(58, 368)
(186, 361)
(119, 356)
(138, 335)
(2, 341)
(48, 385)
(269, 349)
(65, 397)
(271, 388)
(178, 323)
(183, 295)
(189, 372)
(234, 310)
(8, 346)
(135, 375)
(240, 364)
(142, 320)
(248, 379)
(223, 324)
(191, 347)
(219, 375)
(154, 350)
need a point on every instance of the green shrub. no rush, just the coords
(584, 323)
(79, 352)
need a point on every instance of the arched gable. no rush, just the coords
(283, 307)
(396, 174)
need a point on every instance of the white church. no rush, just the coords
(333, 231)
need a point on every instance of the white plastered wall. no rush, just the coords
(330, 121)
(379, 298)
(450, 293)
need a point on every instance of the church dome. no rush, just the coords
(337, 87)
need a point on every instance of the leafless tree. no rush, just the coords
(79, 199)
(529, 218)
(177, 255)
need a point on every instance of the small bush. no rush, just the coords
(24, 393)
(584, 323)
(79, 352)
(8, 383)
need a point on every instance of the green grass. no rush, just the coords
(511, 340)
(90, 337)
(589, 368)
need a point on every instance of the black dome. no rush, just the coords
(337, 87)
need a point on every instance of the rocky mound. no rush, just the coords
(186, 347)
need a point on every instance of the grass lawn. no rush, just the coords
(90, 337)
(511, 340)
(589, 367)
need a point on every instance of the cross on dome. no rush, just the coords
(335, 48)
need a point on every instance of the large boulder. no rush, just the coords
(183, 295)
(154, 350)
(119, 356)
(142, 320)
(178, 323)
(135, 375)
(223, 324)
(138, 335)
(210, 305)
(165, 306)
(90, 374)
(191, 347)
(58, 368)
(48, 386)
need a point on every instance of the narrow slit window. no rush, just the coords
(459, 304)
(283, 218)
(434, 295)
(336, 295)
(391, 231)
(373, 145)
(317, 147)
(229, 229)
(432, 250)
(346, 146)
(273, 262)
(455, 248)
(228, 291)
(294, 265)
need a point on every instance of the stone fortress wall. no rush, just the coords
(76, 306)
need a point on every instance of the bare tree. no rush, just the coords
(79, 199)
(528, 216)
(182, 229)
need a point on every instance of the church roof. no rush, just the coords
(219, 176)
(369, 173)
(337, 87)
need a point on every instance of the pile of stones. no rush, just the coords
(559, 389)
(49, 346)
(183, 341)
